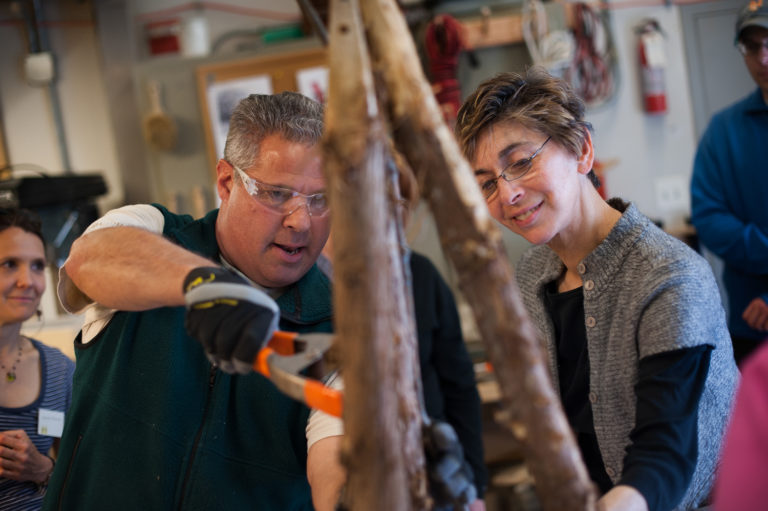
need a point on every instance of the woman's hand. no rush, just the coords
(622, 498)
(20, 460)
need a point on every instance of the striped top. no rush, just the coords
(55, 394)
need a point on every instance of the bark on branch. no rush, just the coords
(472, 242)
(382, 447)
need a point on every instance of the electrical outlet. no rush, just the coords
(672, 193)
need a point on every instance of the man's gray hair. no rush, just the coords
(291, 115)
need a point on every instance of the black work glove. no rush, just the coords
(231, 318)
(451, 481)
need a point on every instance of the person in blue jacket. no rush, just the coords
(729, 186)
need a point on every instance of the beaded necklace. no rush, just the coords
(10, 375)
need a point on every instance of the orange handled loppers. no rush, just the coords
(289, 353)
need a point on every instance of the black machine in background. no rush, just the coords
(66, 205)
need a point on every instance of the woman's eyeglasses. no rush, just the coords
(512, 172)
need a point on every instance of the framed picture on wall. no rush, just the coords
(313, 82)
(223, 98)
(222, 85)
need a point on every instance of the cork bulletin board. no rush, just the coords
(221, 85)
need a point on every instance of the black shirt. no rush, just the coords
(447, 372)
(662, 454)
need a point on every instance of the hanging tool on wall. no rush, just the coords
(553, 49)
(592, 71)
(159, 127)
(653, 63)
(444, 41)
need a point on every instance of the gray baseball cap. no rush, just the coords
(754, 14)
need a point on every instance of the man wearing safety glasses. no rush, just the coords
(167, 412)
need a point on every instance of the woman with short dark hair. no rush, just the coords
(630, 316)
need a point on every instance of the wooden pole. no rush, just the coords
(473, 244)
(382, 448)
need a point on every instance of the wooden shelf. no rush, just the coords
(501, 29)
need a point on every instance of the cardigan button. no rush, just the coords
(582, 269)
(589, 285)
(591, 321)
(592, 397)
(610, 472)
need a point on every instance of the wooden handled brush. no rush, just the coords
(159, 127)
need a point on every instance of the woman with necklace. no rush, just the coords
(35, 379)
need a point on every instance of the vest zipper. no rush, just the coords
(69, 469)
(195, 444)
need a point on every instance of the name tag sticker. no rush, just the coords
(50, 422)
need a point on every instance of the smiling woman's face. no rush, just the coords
(541, 204)
(22, 274)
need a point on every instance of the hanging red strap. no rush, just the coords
(444, 42)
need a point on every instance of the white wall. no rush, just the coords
(647, 147)
(31, 137)
(27, 116)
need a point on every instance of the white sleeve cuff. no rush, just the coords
(75, 301)
(320, 424)
(143, 216)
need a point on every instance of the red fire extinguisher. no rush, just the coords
(652, 66)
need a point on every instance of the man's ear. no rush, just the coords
(587, 158)
(225, 179)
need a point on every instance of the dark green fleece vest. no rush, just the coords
(153, 426)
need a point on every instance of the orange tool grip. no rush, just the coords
(320, 397)
(282, 342)
(260, 364)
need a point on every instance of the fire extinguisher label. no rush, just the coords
(653, 46)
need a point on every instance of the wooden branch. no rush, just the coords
(473, 244)
(382, 448)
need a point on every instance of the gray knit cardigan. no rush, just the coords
(645, 292)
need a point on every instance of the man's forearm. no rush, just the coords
(128, 268)
(325, 473)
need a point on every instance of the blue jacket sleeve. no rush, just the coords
(715, 197)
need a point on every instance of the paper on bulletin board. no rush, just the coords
(313, 83)
(224, 96)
